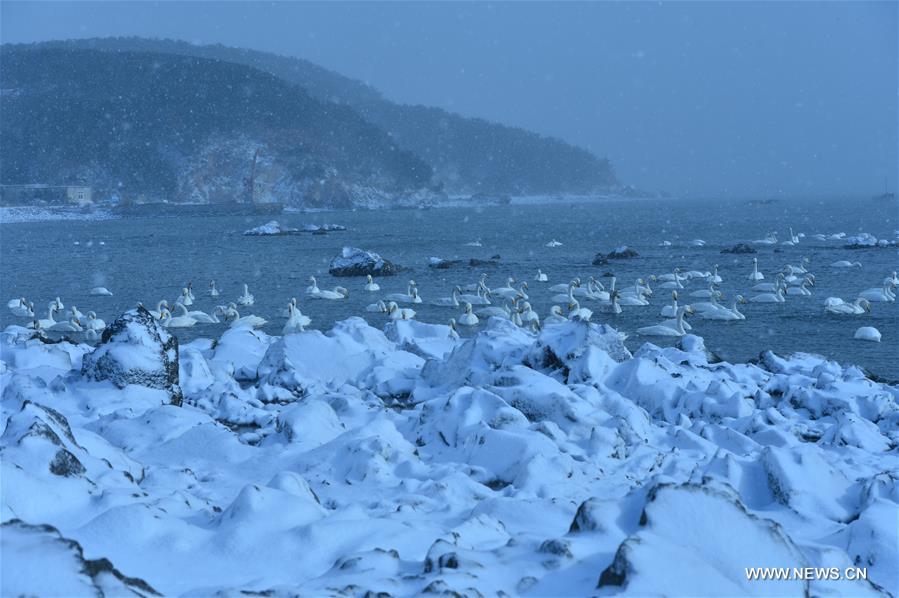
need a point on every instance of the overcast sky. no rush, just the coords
(706, 98)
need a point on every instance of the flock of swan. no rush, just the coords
(693, 293)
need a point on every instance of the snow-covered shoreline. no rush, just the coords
(15, 215)
(406, 461)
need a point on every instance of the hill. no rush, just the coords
(162, 126)
(467, 155)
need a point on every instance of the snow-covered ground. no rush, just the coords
(10, 215)
(406, 462)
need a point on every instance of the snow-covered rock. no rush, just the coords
(135, 349)
(353, 261)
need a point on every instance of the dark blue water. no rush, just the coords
(148, 259)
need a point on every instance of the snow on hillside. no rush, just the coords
(406, 462)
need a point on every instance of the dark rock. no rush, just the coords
(585, 519)
(66, 464)
(442, 264)
(740, 248)
(135, 349)
(557, 547)
(491, 261)
(353, 261)
(619, 253)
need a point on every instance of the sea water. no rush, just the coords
(151, 258)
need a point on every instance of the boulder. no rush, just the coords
(353, 261)
(439, 263)
(272, 228)
(740, 248)
(493, 260)
(135, 349)
(619, 253)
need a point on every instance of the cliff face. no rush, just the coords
(142, 126)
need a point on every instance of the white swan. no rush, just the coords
(697, 243)
(451, 301)
(474, 243)
(769, 287)
(775, 297)
(835, 305)
(611, 306)
(396, 312)
(93, 323)
(672, 281)
(724, 313)
(468, 318)
(508, 291)
(296, 321)
(481, 297)
(756, 275)
(568, 295)
(161, 307)
(715, 277)
(230, 314)
(480, 285)
(711, 304)
(556, 316)
(453, 333)
(182, 320)
(541, 277)
(576, 312)
(771, 239)
(247, 298)
(72, 325)
(184, 298)
(202, 317)
(881, 295)
(101, 292)
(410, 296)
(670, 311)
(846, 264)
(528, 314)
(49, 321)
(74, 312)
(380, 307)
(21, 308)
(635, 296)
(371, 285)
(867, 333)
(563, 288)
(666, 330)
(213, 290)
(495, 311)
(316, 293)
(705, 293)
(554, 243)
(801, 290)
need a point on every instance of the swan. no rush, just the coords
(867, 333)
(395, 312)
(468, 318)
(775, 297)
(576, 312)
(697, 243)
(588, 291)
(801, 290)
(756, 275)
(711, 304)
(190, 292)
(670, 311)
(474, 243)
(612, 306)
(835, 305)
(541, 277)
(213, 290)
(881, 295)
(184, 297)
(672, 281)
(94, 323)
(316, 293)
(846, 264)
(715, 277)
(379, 307)
(451, 301)
(480, 285)
(795, 238)
(453, 333)
(101, 292)
(769, 287)
(58, 304)
(635, 296)
(892, 279)
(230, 314)
(554, 243)
(705, 293)
(596, 290)
(665, 244)
(72, 325)
(47, 322)
(182, 320)
(556, 316)
(74, 312)
(296, 321)
(508, 291)
(724, 313)
(568, 295)
(160, 308)
(410, 296)
(246, 299)
(528, 314)
(563, 288)
(771, 239)
(665, 330)
(371, 285)
(482, 297)
(495, 311)
(515, 316)
(202, 317)
(21, 308)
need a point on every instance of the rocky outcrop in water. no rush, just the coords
(740, 248)
(353, 261)
(135, 349)
(619, 253)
